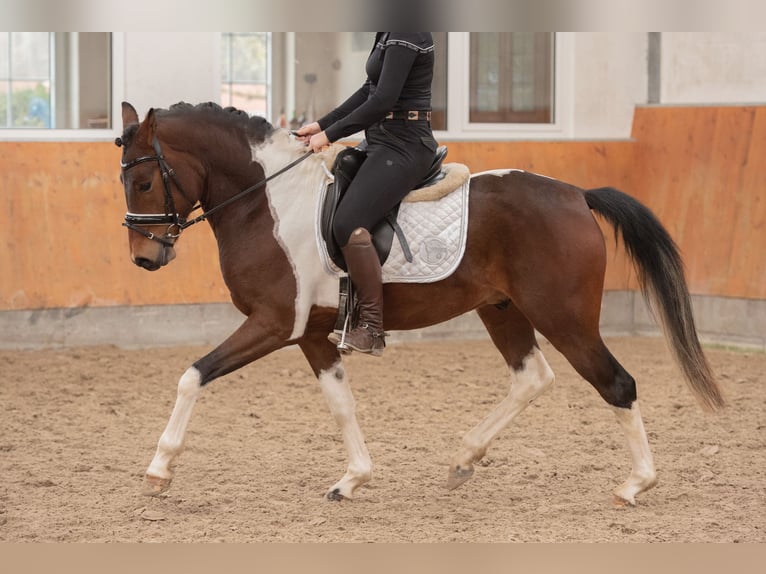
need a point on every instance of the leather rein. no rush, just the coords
(171, 217)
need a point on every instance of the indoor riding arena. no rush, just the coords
(92, 347)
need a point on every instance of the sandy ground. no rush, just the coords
(79, 426)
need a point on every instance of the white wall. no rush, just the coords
(610, 79)
(167, 67)
(713, 67)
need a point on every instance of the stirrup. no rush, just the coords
(338, 337)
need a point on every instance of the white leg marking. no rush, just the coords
(337, 392)
(642, 476)
(172, 440)
(527, 384)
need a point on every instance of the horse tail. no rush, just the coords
(660, 272)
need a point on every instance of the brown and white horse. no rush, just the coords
(535, 260)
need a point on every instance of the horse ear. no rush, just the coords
(149, 126)
(129, 115)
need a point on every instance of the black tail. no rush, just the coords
(660, 274)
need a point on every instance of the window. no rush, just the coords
(55, 80)
(511, 77)
(246, 72)
(486, 84)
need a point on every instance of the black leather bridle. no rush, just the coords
(171, 217)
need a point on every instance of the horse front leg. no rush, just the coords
(159, 475)
(328, 367)
(250, 342)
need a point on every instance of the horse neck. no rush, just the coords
(293, 193)
(256, 239)
(225, 159)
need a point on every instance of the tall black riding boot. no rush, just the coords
(364, 270)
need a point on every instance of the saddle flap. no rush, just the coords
(346, 166)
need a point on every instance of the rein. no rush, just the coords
(134, 221)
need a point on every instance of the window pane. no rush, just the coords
(439, 84)
(225, 58)
(511, 77)
(4, 100)
(94, 80)
(5, 38)
(245, 71)
(30, 55)
(30, 104)
(249, 55)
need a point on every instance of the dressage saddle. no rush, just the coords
(345, 167)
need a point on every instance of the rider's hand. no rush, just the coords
(307, 131)
(318, 141)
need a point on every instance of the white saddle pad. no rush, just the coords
(436, 233)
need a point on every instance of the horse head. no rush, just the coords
(158, 204)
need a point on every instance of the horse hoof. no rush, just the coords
(619, 501)
(335, 495)
(154, 486)
(625, 494)
(457, 476)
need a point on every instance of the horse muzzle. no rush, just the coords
(152, 262)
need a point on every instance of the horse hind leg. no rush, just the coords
(530, 375)
(328, 368)
(642, 475)
(591, 358)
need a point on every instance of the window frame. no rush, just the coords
(459, 125)
(117, 95)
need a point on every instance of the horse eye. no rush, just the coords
(144, 187)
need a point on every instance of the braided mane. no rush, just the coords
(256, 128)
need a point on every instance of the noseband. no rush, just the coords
(171, 218)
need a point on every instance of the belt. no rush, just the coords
(412, 115)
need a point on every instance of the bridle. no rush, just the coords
(171, 217)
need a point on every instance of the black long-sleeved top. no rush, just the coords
(399, 73)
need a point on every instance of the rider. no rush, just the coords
(393, 107)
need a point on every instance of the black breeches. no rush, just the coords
(399, 154)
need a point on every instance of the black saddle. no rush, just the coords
(347, 164)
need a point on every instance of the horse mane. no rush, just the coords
(257, 128)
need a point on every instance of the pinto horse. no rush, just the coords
(535, 260)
